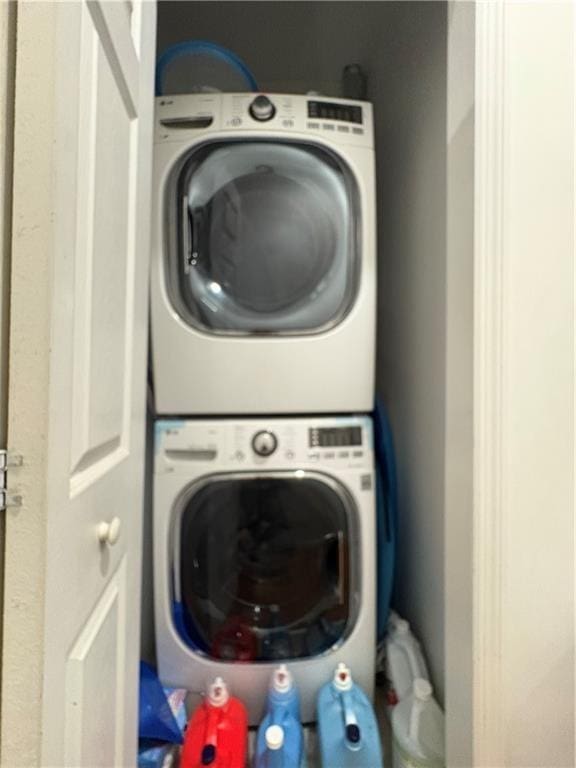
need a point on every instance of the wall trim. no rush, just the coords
(489, 498)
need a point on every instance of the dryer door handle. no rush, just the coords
(191, 226)
(342, 565)
(189, 260)
(338, 560)
(196, 219)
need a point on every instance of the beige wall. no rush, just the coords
(7, 64)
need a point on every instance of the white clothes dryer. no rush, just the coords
(264, 255)
(264, 552)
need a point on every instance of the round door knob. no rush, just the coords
(262, 109)
(264, 443)
(109, 533)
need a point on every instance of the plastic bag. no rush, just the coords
(156, 717)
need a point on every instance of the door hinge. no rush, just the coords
(8, 460)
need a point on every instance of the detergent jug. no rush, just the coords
(347, 728)
(217, 733)
(280, 742)
(418, 729)
(404, 660)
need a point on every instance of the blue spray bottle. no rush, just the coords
(280, 742)
(347, 726)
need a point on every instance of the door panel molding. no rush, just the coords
(102, 337)
(100, 645)
(113, 24)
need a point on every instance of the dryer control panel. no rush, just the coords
(274, 444)
(338, 121)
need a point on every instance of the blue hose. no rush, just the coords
(201, 46)
(387, 513)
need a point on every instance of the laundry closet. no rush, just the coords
(303, 48)
(473, 115)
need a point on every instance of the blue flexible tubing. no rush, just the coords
(387, 518)
(201, 46)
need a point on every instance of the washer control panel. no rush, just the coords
(183, 117)
(206, 445)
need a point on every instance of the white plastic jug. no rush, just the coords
(418, 730)
(404, 660)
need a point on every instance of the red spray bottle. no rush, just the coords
(217, 733)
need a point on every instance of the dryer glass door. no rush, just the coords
(264, 238)
(265, 566)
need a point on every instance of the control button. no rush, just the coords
(239, 455)
(314, 456)
(329, 455)
(314, 126)
(343, 454)
(262, 108)
(343, 129)
(236, 121)
(264, 443)
(289, 454)
(359, 131)
(288, 123)
(366, 482)
(328, 126)
(357, 454)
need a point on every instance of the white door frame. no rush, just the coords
(522, 563)
(489, 266)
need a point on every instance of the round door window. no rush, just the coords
(262, 567)
(265, 238)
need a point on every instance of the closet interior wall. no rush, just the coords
(294, 47)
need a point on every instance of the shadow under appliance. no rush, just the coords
(264, 550)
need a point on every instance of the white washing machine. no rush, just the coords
(264, 552)
(264, 255)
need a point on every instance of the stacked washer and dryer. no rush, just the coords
(263, 340)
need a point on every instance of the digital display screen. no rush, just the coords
(324, 110)
(335, 437)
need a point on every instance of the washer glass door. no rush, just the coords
(262, 566)
(264, 238)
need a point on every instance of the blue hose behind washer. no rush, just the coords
(386, 513)
(205, 47)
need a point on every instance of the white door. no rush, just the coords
(78, 345)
